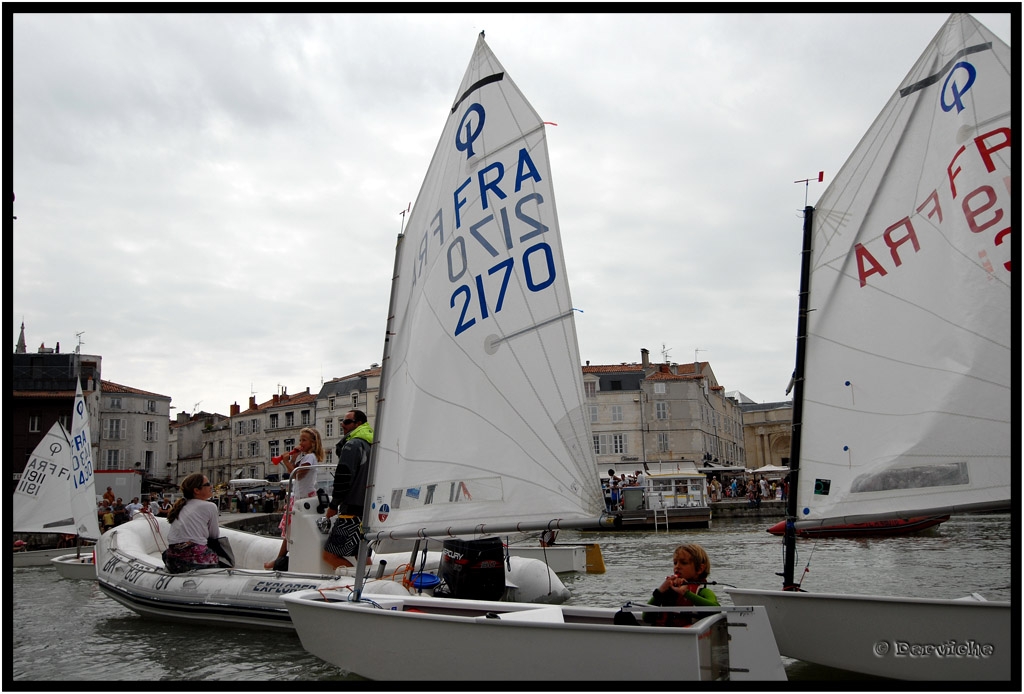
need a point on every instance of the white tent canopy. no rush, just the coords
(769, 469)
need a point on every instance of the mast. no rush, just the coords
(364, 545)
(789, 538)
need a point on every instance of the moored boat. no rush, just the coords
(876, 528)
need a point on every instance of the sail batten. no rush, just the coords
(906, 398)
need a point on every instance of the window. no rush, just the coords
(149, 461)
(254, 426)
(113, 429)
(151, 431)
(273, 421)
(593, 413)
(220, 452)
(254, 449)
(663, 446)
(616, 385)
(275, 449)
(616, 413)
(590, 388)
(239, 428)
(289, 444)
(115, 403)
(661, 410)
(113, 460)
(659, 388)
(609, 444)
(33, 422)
(329, 428)
(65, 421)
(355, 400)
(241, 449)
(289, 419)
(151, 406)
(330, 404)
(305, 418)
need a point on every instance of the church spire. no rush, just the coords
(20, 349)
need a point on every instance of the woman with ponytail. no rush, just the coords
(193, 520)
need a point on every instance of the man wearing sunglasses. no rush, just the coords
(349, 484)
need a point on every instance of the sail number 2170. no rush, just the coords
(538, 266)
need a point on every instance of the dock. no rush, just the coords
(741, 508)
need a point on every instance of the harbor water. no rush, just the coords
(69, 632)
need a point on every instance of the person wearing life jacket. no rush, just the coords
(684, 588)
(349, 492)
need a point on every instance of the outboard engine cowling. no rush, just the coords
(472, 570)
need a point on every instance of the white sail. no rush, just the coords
(907, 392)
(42, 497)
(481, 411)
(83, 481)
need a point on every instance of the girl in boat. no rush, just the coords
(684, 588)
(193, 520)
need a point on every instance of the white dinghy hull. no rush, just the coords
(896, 637)
(530, 642)
(76, 566)
(38, 557)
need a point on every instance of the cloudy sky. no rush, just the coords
(213, 201)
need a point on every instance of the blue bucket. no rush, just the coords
(424, 581)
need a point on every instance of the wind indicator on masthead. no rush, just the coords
(807, 183)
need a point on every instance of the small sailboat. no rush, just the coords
(481, 430)
(57, 494)
(903, 399)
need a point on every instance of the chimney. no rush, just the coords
(252, 402)
(234, 409)
(645, 357)
(276, 398)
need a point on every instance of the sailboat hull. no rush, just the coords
(535, 642)
(38, 557)
(76, 566)
(893, 637)
(879, 528)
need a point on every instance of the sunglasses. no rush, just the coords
(348, 421)
(205, 484)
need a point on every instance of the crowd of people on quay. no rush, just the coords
(616, 483)
(754, 490)
(111, 511)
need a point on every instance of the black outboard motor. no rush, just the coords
(472, 570)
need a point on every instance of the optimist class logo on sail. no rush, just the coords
(489, 227)
(974, 197)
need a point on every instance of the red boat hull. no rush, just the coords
(895, 526)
